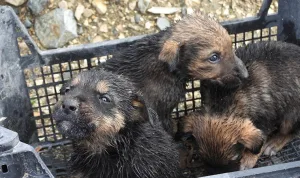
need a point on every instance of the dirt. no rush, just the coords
(119, 19)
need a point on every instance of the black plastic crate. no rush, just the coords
(41, 74)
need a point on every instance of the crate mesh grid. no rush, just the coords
(44, 85)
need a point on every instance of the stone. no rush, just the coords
(16, 2)
(103, 28)
(27, 23)
(226, 11)
(17, 11)
(148, 25)
(97, 39)
(86, 23)
(63, 5)
(79, 11)
(80, 29)
(56, 28)
(163, 10)
(37, 6)
(88, 13)
(163, 23)
(143, 5)
(183, 11)
(189, 11)
(121, 36)
(132, 5)
(137, 18)
(100, 6)
(115, 32)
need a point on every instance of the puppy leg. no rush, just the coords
(76, 175)
(249, 160)
(186, 155)
(276, 143)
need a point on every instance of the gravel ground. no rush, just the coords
(123, 18)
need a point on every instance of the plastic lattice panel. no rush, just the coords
(44, 85)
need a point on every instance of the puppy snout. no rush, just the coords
(70, 106)
(240, 68)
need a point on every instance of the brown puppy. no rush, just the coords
(114, 133)
(160, 65)
(235, 123)
(224, 140)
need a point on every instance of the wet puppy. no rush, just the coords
(160, 65)
(115, 135)
(258, 117)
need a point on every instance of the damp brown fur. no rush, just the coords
(266, 103)
(160, 65)
(223, 140)
(114, 133)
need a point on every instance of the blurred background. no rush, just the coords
(88, 21)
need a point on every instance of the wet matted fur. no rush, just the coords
(267, 103)
(160, 65)
(115, 135)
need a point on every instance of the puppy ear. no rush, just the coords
(169, 53)
(252, 138)
(140, 112)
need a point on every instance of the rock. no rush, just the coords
(17, 11)
(137, 18)
(148, 25)
(192, 3)
(56, 28)
(27, 23)
(97, 39)
(120, 28)
(88, 12)
(163, 10)
(189, 11)
(80, 30)
(86, 23)
(115, 31)
(163, 23)
(100, 6)
(63, 5)
(37, 6)
(79, 11)
(132, 5)
(226, 11)
(132, 20)
(183, 11)
(143, 5)
(16, 2)
(121, 36)
(103, 28)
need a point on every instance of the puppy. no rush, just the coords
(160, 65)
(114, 133)
(258, 117)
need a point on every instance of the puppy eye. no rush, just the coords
(63, 91)
(67, 89)
(215, 58)
(104, 98)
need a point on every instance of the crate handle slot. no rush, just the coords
(263, 11)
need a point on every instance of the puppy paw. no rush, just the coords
(248, 161)
(270, 151)
(276, 143)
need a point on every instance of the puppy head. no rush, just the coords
(223, 141)
(203, 47)
(96, 106)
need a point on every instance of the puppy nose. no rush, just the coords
(70, 105)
